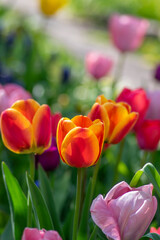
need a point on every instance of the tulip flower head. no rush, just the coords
(49, 159)
(10, 93)
(125, 213)
(138, 101)
(50, 7)
(148, 135)
(117, 118)
(26, 127)
(98, 65)
(35, 234)
(154, 230)
(80, 141)
(127, 32)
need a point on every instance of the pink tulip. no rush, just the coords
(35, 234)
(153, 111)
(98, 65)
(125, 213)
(10, 93)
(127, 32)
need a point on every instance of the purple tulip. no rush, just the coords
(125, 213)
(98, 65)
(49, 160)
(127, 32)
(35, 234)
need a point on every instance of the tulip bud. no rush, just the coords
(118, 120)
(35, 234)
(98, 65)
(80, 141)
(50, 7)
(127, 32)
(26, 127)
(125, 213)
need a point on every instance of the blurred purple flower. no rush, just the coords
(157, 73)
(98, 65)
(127, 32)
(153, 111)
(66, 74)
(49, 160)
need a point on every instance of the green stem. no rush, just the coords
(77, 205)
(93, 235)
(144, 158)
(121, 147)
(94, 179)
(29, 212)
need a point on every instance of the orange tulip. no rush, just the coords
(117, 117)
(80, 141)
(26, 127)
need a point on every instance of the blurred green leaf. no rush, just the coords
(17, 202)
(43, 218)
(7, 233)
(153, 236)
(46, 190)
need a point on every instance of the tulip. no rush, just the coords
(49, 160)
(35, 234)
(50, 7)
(148, 135)
(154, 230)
(118, 120)
(55, 119)
(157, 73)
(125, 213)
(98, 65)
(26, 127)
(10, 93)
(127, 32)
(80, 141)
(138, 101)
(153, 111)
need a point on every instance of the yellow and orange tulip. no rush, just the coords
(50, 7)
(80, 141)
(117, 117)
(26, 127)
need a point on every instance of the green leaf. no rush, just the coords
(85, 215)
(17, 202)
(46, 190)
(42, 216)
(7, 233)
(152, 174)
(153, 236)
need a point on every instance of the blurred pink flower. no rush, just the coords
(98, 65)
(127, 32)
(35, 234)
(148, 135)
(125, 213)
(153, 111)
(10, 93)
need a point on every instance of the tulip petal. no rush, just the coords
(102, 100)
(128, 210)
(17, 133)
(98, 129)
(104, 218)
(27, 108)
(80, 148)
(82, 121)
(99, 112)
(123, 128)
(64, 126)
(42, 128)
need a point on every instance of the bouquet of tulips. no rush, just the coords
(124, 213)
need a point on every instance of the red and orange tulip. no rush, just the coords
(80, 141)
(117, 117)
(26, 127)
